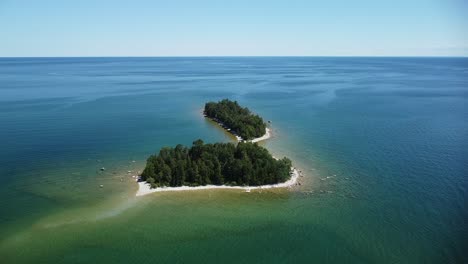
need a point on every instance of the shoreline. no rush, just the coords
(144, 188)
(266, 136)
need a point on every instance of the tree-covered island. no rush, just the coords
(244, 164)
(239, 120)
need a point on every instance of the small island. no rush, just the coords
(244, 164)
(237, 120)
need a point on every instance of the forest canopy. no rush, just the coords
(244, 164)
(240, 120)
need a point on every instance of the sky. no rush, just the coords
(50, 28)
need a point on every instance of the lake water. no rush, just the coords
(382, 143)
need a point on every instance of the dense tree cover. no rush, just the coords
(220, 163)
(240, 120)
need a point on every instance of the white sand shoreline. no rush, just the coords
(267, 134)
(264, 137)
(144, 188)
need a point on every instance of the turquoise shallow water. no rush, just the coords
(382, 142)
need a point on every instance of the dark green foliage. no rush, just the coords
(240, 120)
(218, 164)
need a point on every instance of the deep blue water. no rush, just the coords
(383, 141)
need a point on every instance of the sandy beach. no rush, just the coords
(267, 134)
(144, 188)
(264, 137)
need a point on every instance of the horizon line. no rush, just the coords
(251, 56)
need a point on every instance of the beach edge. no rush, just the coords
(144, 188)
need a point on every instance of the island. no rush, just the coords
(244, 165)
(236, 119)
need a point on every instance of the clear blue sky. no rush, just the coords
(234, 28)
